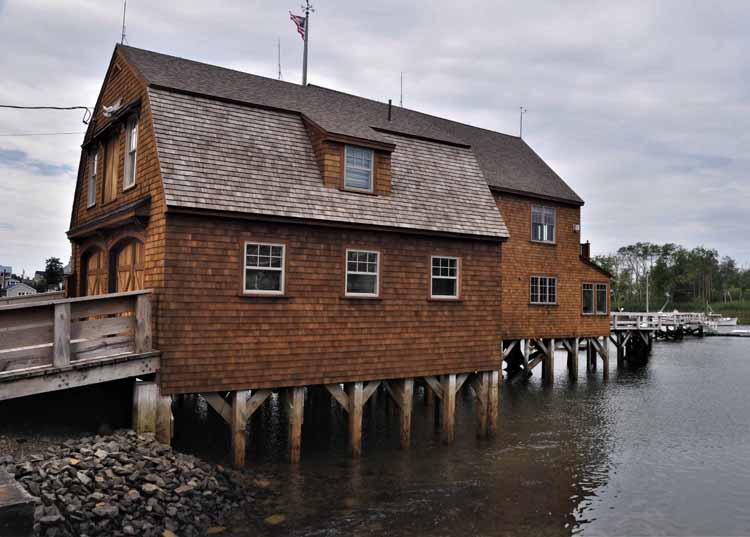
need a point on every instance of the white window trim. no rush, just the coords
(282, 269)
(376, 294)
(593, 298)
(596, 299)
(544, 208)
(372, 169)
(537, 303)
(456, 277)
(91, 192)
(132, 122)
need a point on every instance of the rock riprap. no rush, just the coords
(126, 484)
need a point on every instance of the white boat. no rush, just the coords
(722, 321)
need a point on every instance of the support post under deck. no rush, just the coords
(448, 407)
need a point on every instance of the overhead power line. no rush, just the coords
(39, 133)
(86, 115)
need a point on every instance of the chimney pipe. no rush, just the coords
(390, 106)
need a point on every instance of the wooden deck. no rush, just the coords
(58, 344)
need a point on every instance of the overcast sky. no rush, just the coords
(642, 107)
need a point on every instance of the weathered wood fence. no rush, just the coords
(56, 336)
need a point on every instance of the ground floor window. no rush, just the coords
(543, 290)
(362, 273)
(444, 277)
(264, 268)
(601, 298)
(588, 298)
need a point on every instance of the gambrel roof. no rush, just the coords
(232, 141)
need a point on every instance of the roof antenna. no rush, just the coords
(124, 9)
(401, 100)
(279, 56)
(520, 126)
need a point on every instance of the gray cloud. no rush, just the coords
(641, 106)
(14, 158)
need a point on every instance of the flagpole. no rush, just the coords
(307, 34)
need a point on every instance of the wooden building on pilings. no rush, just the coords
(298, 236)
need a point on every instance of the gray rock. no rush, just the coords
(106, 511)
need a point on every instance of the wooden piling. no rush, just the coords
(145, 397)
(482, 389)
(605, 357)
(296, 412)
(573, 358)
(494, 402)
(619, 343)
(406, 393)
(448, 407)
(164, 420)
(238, 423)
(354, 392)
(548, 362)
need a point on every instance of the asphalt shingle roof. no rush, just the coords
(507, 162)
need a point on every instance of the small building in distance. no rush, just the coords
(17, 288)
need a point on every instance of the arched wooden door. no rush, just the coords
(94, 280)
(127, 268)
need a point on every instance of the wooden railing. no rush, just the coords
(627, 320)
(58, 333)
(38, 297)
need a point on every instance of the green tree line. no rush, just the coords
(672, 275)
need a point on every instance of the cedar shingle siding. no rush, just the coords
(226, 157)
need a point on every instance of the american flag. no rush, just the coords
(300, 22)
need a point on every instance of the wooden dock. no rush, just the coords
(59, 344)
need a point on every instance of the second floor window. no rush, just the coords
(362, 273)
(543, 223)
(93, 165)
(358, 168)
(543, 290)
(588, 298)
(601, 298)
(444, 277)
(131, 144)
(264, 268)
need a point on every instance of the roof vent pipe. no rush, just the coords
(390, 106)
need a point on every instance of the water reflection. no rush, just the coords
(656, 450)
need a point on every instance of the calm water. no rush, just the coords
(662, 450)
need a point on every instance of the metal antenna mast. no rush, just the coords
(124, 8)
(401, 100)
(308, 8)
(520, 123)
(279, 55)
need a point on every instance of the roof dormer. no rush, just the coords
(351, 164)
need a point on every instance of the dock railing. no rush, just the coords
(58, 333)
(629, 320)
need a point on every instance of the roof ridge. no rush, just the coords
(119, 45)
(316, 86)
(415, 111)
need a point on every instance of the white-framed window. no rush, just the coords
(601, 298)
(543, 223)
(264, 268)
(93, 167)
(358, 168)
(130, 153)
(362, 273)
(587, 297)
(543, 290)
(444, 277)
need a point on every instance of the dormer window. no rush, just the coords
(358, 168)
